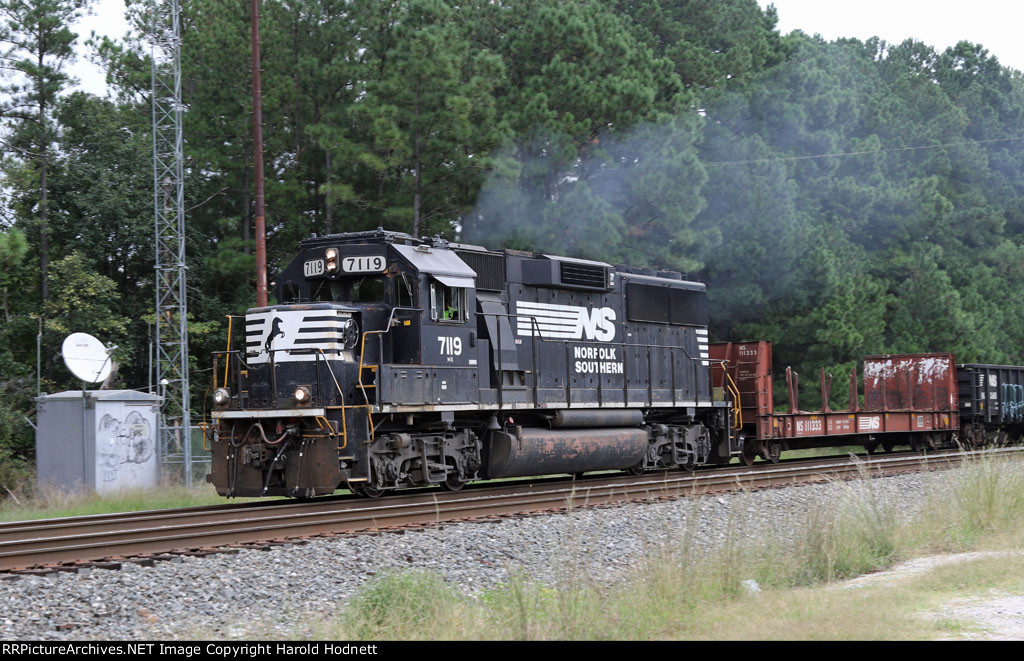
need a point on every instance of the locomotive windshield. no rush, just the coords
(360, 289)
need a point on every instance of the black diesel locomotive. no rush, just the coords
(393, 362)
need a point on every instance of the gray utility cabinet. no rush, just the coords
(102, 439)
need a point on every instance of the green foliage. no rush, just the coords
(985, 497)
(415, 603)
(13, 248)
(904, 246)
(36, 44)
(711, 43)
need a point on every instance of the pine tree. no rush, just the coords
(37, 45)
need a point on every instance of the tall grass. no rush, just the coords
(411, 605)
(984, 498)
(856, 536)
(682, 588)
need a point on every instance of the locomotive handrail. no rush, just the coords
(239, 362)
(380, 333)
(535, 329)
(380, 361)
(226, 363)
(734, 390)
(344, 424)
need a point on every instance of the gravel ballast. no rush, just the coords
(275, 593)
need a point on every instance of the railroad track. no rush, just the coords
(105, 540)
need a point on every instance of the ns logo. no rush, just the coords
(565, 322)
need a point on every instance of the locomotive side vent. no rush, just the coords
(583, 275)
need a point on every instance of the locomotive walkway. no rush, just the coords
(106, 541)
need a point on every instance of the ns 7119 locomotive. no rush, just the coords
(391, 361)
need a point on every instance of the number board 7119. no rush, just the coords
(364, 264)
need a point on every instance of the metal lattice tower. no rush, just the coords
(169, 211)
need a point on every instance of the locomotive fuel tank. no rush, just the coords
(598, 418)
(534, 451)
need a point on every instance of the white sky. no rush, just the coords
(107, 19)
(995, 24)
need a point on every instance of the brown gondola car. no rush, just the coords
(909, 399)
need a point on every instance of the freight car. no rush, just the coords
(391, 361)
(908, 399)
(991, 402)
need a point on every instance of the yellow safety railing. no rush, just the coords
(375, 368)
(344, 423)
(227, 351)
(737, 411)
(204, 426)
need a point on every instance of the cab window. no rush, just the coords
(365, 289)
(403, 291)
(447, 304)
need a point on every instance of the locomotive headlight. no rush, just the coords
(302, 395)
(332, 259)
(221, 396)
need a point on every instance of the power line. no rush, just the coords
(858, 153)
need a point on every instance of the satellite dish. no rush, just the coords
(86, 357)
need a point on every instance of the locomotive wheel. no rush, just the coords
(773, 452)
(453, 483)
(365, 491)
(689, 464)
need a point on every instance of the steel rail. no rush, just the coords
(82, 539)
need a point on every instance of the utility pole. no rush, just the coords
(257, 133)
(171, 335)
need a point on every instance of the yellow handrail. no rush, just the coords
(362, 387)
(326, 426)
(344, 408)
(737, 410)
(204, 426)
(227, 353)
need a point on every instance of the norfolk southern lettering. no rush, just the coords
(601, 360)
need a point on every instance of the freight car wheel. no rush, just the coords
(749, 454)
(773, 452)
(636, 470)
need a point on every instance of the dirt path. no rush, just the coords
(1001, 615)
